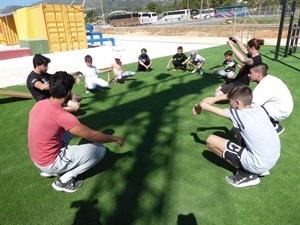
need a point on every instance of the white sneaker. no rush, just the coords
(195, 70)
(43, 174)
(200, 71)
(264, 174)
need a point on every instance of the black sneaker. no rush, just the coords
(279, 129)
(71, 186)
(243, 179)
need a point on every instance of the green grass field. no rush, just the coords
(172, 177)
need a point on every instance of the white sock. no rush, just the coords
(66, 177)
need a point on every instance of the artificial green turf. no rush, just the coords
(171, 178)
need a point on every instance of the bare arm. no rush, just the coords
(213, 100)
(217, 66)
(242, 58)
(41, 86)
(168, 65)
(95, 136)
(210, 108)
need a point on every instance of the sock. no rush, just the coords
(66, 177)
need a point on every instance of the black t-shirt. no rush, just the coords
(145, 59)
(242, 77)
(230, 65)
(37, 93)
(179, 57)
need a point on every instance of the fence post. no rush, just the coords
(284, 2)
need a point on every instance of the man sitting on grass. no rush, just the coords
(259, 147)
(48, 125)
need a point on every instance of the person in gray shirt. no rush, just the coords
(259, 147)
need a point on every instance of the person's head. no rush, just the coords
(144, 51)
(193, 54)
(240, 96)
(61, 84)
(117, 57)
(88, 60)
(228, 54)
(179, 50)
(258, 72)
(254, 44)
(40, 63)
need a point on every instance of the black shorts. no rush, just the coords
(233, 153)
(225, 88)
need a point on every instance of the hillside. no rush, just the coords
(108, 5)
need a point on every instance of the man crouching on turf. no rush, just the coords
(260, 145)
(51, 128)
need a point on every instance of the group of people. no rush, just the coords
(255, 115)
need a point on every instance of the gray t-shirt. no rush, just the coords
(261, 139)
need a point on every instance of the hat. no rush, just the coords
(117, 56)
(193, 52)
(144, 50)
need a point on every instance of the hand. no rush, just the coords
(119, 141)
(209, 100)
(197, 109)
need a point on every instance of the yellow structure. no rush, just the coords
(8, 30)
(62, 25)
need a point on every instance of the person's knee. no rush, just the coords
(218, 92)
(74, 105)
(210, 141)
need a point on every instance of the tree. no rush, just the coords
(152, 7)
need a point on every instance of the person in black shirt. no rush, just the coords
(144, 61)
(250, 57)
(178, 60)
(38, 83)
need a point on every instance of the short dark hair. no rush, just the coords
(228, 52)
(39, 60)
(88, 58)
(60, 84)
(262, 68)
(242, 93)
(179, 48)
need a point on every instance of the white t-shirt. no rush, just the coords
(274, 96)
(89, 72)
(197, 59)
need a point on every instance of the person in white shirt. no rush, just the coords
(195, 61)
(90, 73)
(271, 94)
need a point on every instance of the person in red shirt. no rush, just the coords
(50, 129)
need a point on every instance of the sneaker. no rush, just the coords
(264, 174)
(242, 179)
(175, 69)
(71, 186)
(201, 71)
(86, 90)
(279, 129)
(43, 174)
(195, 70)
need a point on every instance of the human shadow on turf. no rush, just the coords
(188, 219)
(107, 162)
(158, 108)
(12, 99)
(87, 212)
(213, 158)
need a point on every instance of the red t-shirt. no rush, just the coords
(47, 124)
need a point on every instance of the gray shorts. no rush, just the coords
(75, 159)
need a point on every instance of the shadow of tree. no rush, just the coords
(159, 109)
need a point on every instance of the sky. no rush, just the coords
(4, 3)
